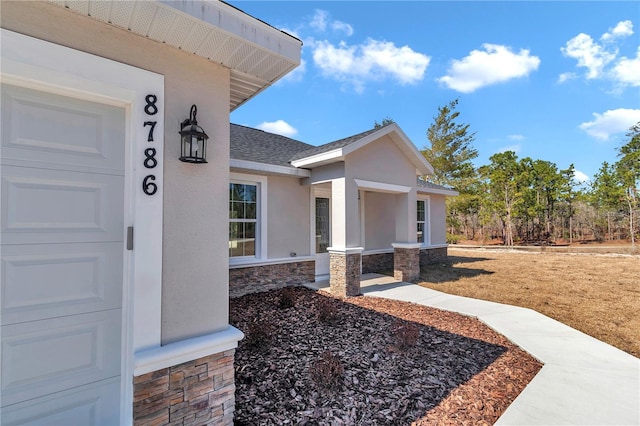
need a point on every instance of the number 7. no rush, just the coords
(153, 126)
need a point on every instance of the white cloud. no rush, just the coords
(622, 29)
(514, 148)
(372, 61)
(319, 20)
(494, 64)
(566, 76)
(279, 127)
(342, 27)
(580, 177)
(601, 58)
(516, 137)
(590, 55)
(611, 122)
(627, 71)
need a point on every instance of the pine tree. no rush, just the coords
(628, 168)
(451, 150)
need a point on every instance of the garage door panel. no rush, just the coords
(53, 206)
(44, 357)
(93, 404)
(49, 280)
(44, 127)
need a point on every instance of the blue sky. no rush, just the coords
(555, 81)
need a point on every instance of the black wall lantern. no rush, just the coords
(194, 139)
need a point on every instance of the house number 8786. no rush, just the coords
(150, 161)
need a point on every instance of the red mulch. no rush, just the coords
(309, 358)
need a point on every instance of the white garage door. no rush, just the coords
(62, 214)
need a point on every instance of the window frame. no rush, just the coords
(427, 222)
(260, 182)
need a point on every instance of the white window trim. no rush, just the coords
(427, 222)
(45, 66)
(261, 223)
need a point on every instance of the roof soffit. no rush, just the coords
(256, 53)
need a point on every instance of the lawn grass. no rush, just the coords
(596, 294)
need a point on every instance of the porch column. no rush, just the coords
(345, 255)
(406, 251)
(344, 271)
(406, 261)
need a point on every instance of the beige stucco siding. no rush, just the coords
(289, 217)
(381, 161)
(438, 219)
(379, 220)
(194, 287)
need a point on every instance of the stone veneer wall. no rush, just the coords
(406, 264)
(254, 279)
(379, 262)
(197, 392)
(344, 274)
(433, 255)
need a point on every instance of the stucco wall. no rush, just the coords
(194, 287)
(381, 161)
(379, 220)
(289, 217)
(438, 219)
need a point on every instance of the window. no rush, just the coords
(322, 225)
(422, 219)
(243, 219)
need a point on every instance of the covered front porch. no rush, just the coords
(365, 198)
(356, 218)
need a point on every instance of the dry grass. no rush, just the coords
(596, 294)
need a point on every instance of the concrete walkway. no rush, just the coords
(583, 381)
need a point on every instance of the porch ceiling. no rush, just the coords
(256, 53)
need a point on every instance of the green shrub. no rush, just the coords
(453, 239)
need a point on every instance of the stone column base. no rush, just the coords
(197, 392)
(406, 261)
(344, 271)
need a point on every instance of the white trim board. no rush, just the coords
(268, 168)
(388, 188)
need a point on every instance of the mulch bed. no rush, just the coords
(310, 358)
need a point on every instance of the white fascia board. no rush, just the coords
(240, 24)
(449, 192)
(388, 188)
(268, 168)
(320, 159)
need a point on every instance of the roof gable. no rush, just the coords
(337, 150)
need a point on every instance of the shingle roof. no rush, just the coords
(263, 147)
(340, 143)
(424, 184)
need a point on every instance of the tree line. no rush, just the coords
(525, 200)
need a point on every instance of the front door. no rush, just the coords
(62, 209)
(322, 234)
